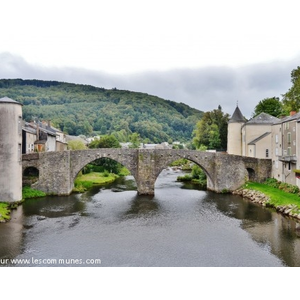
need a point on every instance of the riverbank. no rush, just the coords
(4, 212)
(27, 193)
(285, 203)
(86, 181)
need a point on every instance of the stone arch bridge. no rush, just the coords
(58, 170)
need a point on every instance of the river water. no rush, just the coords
(179, 226)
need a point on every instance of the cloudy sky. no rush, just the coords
(202, 53)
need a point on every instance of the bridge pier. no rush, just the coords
(145, 178)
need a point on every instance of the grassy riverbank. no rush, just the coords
(86, 181)
(283, 197)
(27, 192)
(4, 212)
(278, 197)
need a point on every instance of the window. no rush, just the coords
(289, 151)
(19, 152)
(276, 164)
(289, 137)
(276, 138)
(276, 151)
(267, 152)
(20, 125)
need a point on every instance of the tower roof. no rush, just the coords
(237, 117)
(8, 100)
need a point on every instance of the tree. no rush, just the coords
(106, 141)
(271, 106)
(291, 99)
(211, 130)
(76, 145)
(135, 140)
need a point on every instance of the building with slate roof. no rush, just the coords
(265, 136)
(256, 136)
(250, 138)
(286, 149)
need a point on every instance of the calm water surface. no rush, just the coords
(179, 226)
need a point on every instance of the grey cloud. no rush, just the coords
(203, 88)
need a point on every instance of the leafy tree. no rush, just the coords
(211, 130)
(291, 99)
(135, 140)
(214, 137)
(76, 145)
(271, 106)
(106, 141)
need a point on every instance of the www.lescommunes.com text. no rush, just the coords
(50, 261)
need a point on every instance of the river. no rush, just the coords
(180, 226)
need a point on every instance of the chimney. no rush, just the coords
(292, 113)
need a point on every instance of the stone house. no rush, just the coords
(286, 149)
(41, 137)
(268, 137)
(250, 138)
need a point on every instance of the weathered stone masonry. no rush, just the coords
(58, 170)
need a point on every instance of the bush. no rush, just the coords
(286, 187)
(186, 177)
(28, 192)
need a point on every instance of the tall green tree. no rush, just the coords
(106, 141)
(211, 130)
(291, 99)
(272, 106)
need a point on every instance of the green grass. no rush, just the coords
(28, 192)
(277, 197)
(4, 212)
(86, 181)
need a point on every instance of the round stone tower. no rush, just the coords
(10, 150)
(234, 136)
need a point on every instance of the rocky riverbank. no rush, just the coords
(290, 210)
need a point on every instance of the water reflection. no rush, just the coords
(142, 205)
(54, 207)
(11, 235)
(179, 226)
(268, 228)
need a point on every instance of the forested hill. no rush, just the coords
(83, 109)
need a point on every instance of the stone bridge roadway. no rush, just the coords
(58, 170)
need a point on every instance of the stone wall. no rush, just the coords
(58, 170)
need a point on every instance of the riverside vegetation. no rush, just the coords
(283, 197)
(27, 193)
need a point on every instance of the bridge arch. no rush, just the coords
(171, 160)
(80, 158)
(204, 160)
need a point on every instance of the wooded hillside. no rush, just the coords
(88, 110)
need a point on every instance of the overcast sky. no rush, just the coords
(202, 53)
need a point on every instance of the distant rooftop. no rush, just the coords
(237, 117)
(8, 100)
(263, 118)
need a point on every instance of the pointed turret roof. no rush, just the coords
(8, 100)
(237, 117)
